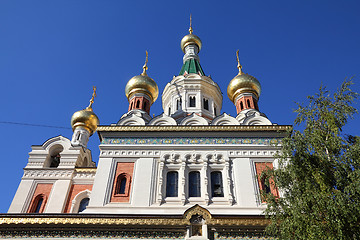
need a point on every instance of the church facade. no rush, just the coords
(189, 173)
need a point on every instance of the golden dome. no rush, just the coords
(243, 83)
(142, 84)
(190, 39)
(85, 118)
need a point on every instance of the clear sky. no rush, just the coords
(53, 52)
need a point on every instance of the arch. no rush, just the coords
(241, 105)
(225, 119)
(194, 120)
(248, 103)
(197, 210)
(138, 103)
(75, 204)
(162, 120)
(122, 185)
(192, 101)
(54, 156)
(38, 205)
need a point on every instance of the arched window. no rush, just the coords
(83, 204)
(248, 103)
(145, 106)
(169, 111)
(38, 204)
(214, 110)
(172, 184)
(241, 105)
(192, 101)
(216, 184)
(137, 103)
(206, 104)
(131, 105)
(194, 184)
(120, 187)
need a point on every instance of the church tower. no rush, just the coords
(192, 92)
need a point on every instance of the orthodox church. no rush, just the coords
(189, 173)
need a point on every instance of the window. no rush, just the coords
(192, 101)
(83, 204)
(214, 110)
(38, 204)
(172, 184)
(248, 103)
(121, 184)
(206, 104)
(216, 184)
(137, 103)
(194, 184)
(169, 111)
(241, 105)
(178, 104)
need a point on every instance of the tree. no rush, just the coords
(318, 173)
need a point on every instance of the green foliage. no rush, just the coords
(319, 172)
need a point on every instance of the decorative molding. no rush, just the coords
(241, 128)
(48, 173)
(190, 140)
(115, 153)
(141, 221)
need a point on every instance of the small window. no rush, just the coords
(83, 204)
(248, 103)
(215, 111)
(55, 160)
(241, 105)
(172, 184)
(138, 104)
(194, 184)
(192, 101)
(145, 106)
(206, 104)
(178, 104)
(131, 105)
(37, 206)
(216, 184)
(121, 184)
(169, 111)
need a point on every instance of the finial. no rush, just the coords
(239, 65)
(145, 67)
(92, 99)
(190, 29)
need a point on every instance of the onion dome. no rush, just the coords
(142, 84)
(86, 118)
(243, 83)
(190, 39)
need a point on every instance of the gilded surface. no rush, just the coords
(136, 221)
(85, 170)
(240, 128)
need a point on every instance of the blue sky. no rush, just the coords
(53, 52)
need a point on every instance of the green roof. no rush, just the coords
(191, 66)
